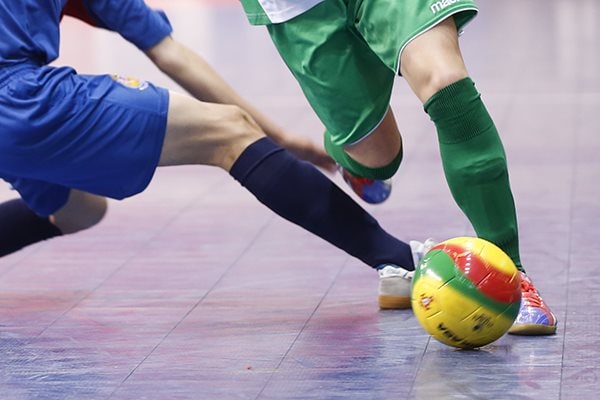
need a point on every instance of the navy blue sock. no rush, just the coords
(20, 227)
(300, 193)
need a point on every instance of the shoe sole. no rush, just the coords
(532, 330)
(394, 302)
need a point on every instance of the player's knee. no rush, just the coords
(430, 81)
(429, 75)
(443, 78)
(206, 133)
(82, 211)
(90, 218)
(243, 128)
(239, 131)
(234, 132)
(95, 214)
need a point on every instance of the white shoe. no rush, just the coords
(395, 282)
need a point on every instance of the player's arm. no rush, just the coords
(150, 31)
(196, 76)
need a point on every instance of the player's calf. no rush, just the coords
(82, 211)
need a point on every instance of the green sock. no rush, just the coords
(357, 169)
(475, 164)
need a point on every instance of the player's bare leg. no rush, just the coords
(226, 137)
(22, 227)
(381, 146)
(206, 133)
(433, 60)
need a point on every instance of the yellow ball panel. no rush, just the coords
(498, 259)
(454, 319)
(424, 292)
(472, 244)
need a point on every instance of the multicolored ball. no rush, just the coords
(466, 292)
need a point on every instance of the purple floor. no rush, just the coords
(193, 290)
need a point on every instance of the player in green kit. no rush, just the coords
(345, 54)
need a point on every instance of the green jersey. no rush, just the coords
(264, 12)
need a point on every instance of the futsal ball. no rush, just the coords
(466, 292)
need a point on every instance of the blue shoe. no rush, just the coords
(535, 318)
(370, 190)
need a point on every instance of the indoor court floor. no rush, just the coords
(194, 290)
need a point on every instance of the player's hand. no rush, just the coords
(306, 150)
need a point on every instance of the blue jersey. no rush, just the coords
(30, 28)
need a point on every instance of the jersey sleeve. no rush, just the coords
(132, 19)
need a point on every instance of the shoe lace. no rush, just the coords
(531, 296)
(392, 270)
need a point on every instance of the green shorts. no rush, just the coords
(345, 55)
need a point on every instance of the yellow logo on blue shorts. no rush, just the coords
(130, 82)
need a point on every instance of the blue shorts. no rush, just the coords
(100, 134)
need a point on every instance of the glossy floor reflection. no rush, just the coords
(193, 290)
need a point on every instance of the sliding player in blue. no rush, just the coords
(346, 54)
(68, 141)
